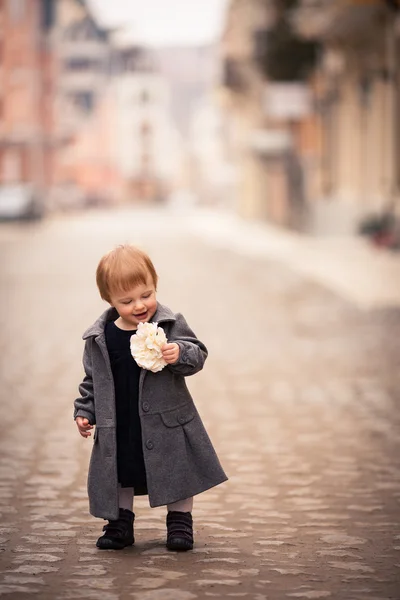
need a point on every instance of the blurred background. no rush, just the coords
(278, 110)
(247, 145)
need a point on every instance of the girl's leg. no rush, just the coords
(125, 497)
(182, 505)
(118, 533)
(180, 525)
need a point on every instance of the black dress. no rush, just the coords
(126, 372)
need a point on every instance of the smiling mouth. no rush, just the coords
(140, 315)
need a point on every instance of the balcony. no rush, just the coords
(85, 80)
(336, 19)
(89, 48)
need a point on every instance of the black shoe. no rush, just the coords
(179, 531)
(119, 533)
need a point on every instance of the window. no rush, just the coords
(82, 30)
(84, 101)
(80, 64)
(48, 13)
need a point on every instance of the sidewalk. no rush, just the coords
(349, 266)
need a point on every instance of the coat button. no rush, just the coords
(146, 406)
(181, 420)
(149, 445)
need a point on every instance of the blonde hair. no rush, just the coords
(122, 269)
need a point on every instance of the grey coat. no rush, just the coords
(179, 457)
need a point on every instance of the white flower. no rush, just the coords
(146, 346)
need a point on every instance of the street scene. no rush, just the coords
(300, 396)
(251, 148)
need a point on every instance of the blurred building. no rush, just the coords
(113, 115)
(311, 90)
(91, 175)
(84, 55)
(27, 74)
(255, 142)
(191, 75)
(212, 174)
(84, 118)
(356, 162)
(147, 144)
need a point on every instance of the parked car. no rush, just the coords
(19, 201)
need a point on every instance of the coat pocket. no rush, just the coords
(178, 416)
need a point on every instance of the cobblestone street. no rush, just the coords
(300, 395)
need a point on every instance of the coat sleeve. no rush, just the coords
(193, 353)
(84, 405)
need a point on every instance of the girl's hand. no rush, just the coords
(83, 426)
(170, 353)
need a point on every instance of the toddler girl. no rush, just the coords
(149, 438)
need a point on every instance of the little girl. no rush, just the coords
(149, 438)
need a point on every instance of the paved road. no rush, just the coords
(301, 396)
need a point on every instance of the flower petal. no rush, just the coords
(146, 346)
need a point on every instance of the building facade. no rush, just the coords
(27, 75)
(84, 56)
(240, 94)
(356, 166)
(147, 143)
(311, 89)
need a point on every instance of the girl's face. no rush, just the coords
(136, 305)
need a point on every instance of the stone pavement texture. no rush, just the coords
(300, 394)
